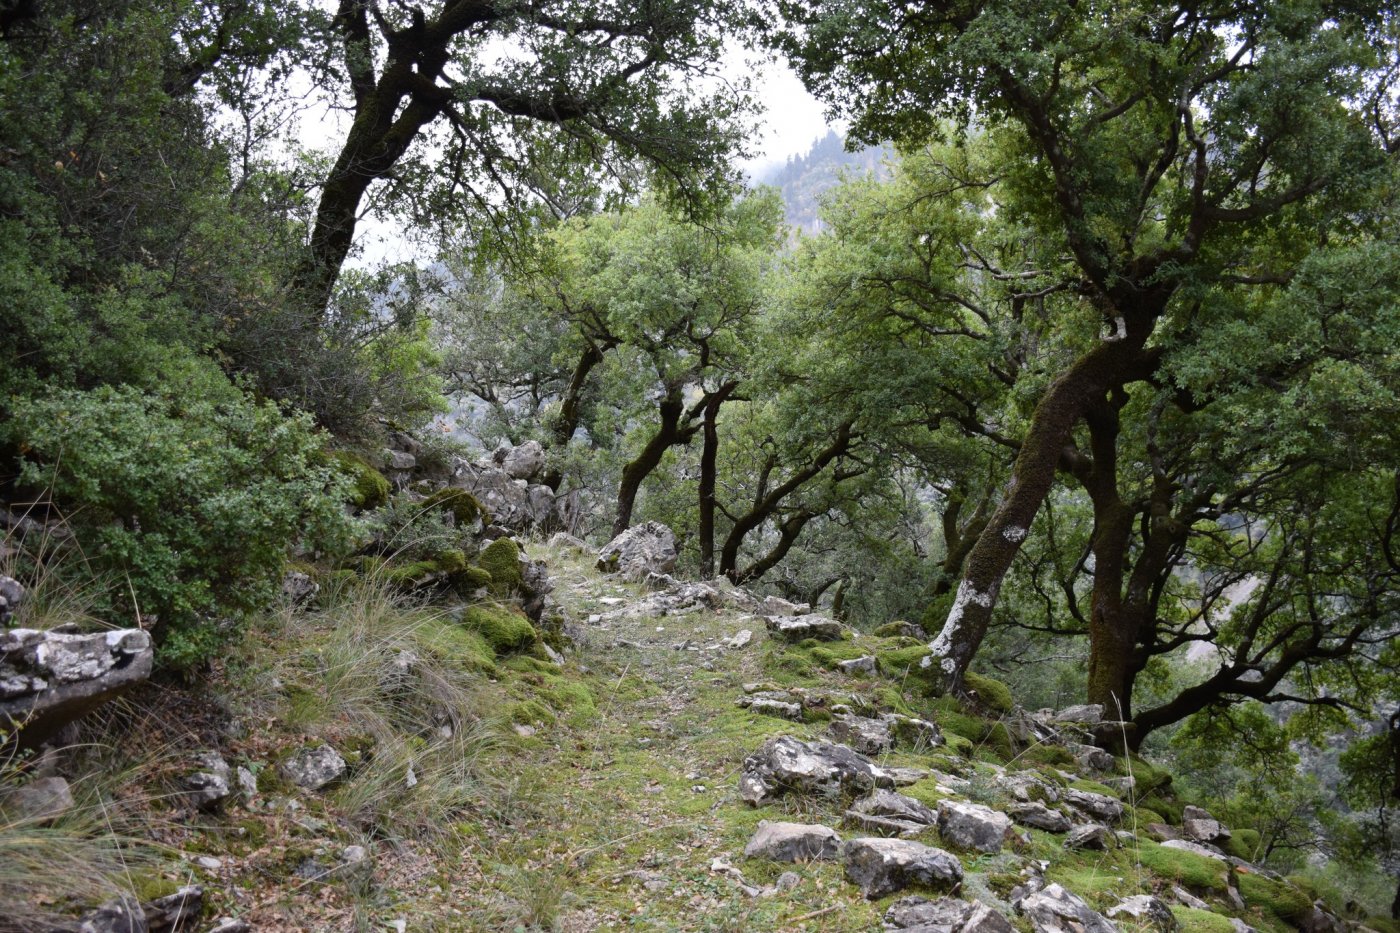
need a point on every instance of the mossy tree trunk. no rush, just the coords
(676, 428)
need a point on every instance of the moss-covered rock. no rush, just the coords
(904, 665)
(1277, 899)
(501, 559)
(993, 694)
(1198, 873)
(1243, 844)
(370, 488)
(464, 506)
(1201, 921)
(505, 629)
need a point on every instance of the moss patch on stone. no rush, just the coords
(1193, 920)
(370, 488)
(505, 629)
(464, 506)
(1276, 898)
(501, 560)
(1197, 872)
(993, 694)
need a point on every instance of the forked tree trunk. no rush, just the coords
(1108, 365)
(669, 434)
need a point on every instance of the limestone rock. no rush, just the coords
(298, 587)
(884, 866)
(1098, 806)
(210, 783)
(175, 912)
(1088, 714)
(49, 679)
(1055, 910)
(1094, 836)
(1027, 786)
(523, 462)
(867, 736)
(1090, 758)
(1198, 825)
(793, 842)
(1036, 814)
(910, 731)
(1188, 846)
(891, 803)
(562, 539)
(776, 606)
(739, 639)
(640, 550)
(514, 504)
(120, 916)
(799, 628)
(40, 801)
(972, 826)
(230, 925)
(787, 764)
(945, 915)
(315, 767)
(862, 665)
(1147, 912)
(11, 595)
(772, 704)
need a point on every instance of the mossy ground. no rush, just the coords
(599, 793)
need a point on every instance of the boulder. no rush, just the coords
(1095, 805)
(1186, 845)
(867, 736)
(1027, 786)
(793, 842)
(40, 801)
(1146, 912)
(776, 606)
(972, 826)
(800, 628)
(314, 767)
(785, 764)
(945, 915)
(564, 540)
(49, 679)
(209, 783)
(1094, 836)
(884, 866)
(514, 504)
(1198, 825)
(890, 813)
(1038, 815)
(772, 705)
(1055, 910)
(298, 588)
(1090, 758)
(640, 550)
(523, 462)
(1088, 714)
(910, 731)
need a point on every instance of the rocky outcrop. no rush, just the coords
(867, 736)
(891, 813)
(49, 679)
(1055, 910)
(514, 504)
(785, 764)
(793, 842)
(945, 915)
(11, 594)
(314, 767)
(1146, 912)
(1038, 815)
(209, 783)
(640, 550)
(800, 628)
(884, 866)
(972, 826)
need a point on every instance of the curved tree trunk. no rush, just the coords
(571, 407)
(669, 434)
(1108, 365)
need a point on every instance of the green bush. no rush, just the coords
(189, 505)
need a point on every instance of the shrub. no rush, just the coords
(188, 505)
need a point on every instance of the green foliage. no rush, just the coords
(504, 628)
(190, 504)
(501, 559)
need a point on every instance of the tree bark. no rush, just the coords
(571, 408)
(768, 501)
(709, 456)
(1108, 365)
(671, 433)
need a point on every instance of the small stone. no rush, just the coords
(1096, 805)
(972, 826)
(40, 801)
(178, 911)
(867, 736)
(208, 862)
(884, 866)
(1147, 912)
(525, 731)
(739, 639)
(231, 925)
(793, 842)
(210, 784)
(247, 781)
(785, 764)
(787, 881)
(1038, 815)
(315, 767)
(862, 665)
(1094, 836)
(800, 628)
(1055, 910)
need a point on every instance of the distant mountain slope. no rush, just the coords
(803, 179)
